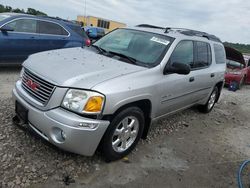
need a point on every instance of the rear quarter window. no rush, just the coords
(220, 55)
(77, 29)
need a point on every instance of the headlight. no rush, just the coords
(84, 102)
(21, 73)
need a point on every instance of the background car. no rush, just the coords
(237, 71)
(22, 35)
(94, 33)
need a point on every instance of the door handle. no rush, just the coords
(32, 37)
(212, 75)
(191, 79)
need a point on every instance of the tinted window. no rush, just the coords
(183, 53)
(203, 55)
(24, 25)
(79, 31)
(51, 28)
(220, 55)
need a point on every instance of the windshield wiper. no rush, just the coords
(131, 59)
(101, 50)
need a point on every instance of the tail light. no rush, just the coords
(88, 42)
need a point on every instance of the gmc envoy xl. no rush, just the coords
(107, 95)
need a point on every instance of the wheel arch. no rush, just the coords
(145, 105)
(219, 85)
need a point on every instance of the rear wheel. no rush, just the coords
(211, 101)
(123, 134)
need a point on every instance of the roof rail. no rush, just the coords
(190, 32)
(150, 26)
(54, 18)
(184, 31)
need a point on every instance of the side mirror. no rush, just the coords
(178, 68)
(6, 28)
(248, 64)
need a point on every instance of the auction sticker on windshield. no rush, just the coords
(160, 40)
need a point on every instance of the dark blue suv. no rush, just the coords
(22, 35)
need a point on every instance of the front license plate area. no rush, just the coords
(22, 112)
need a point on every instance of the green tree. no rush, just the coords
(35, 12)
(243, 48)
(17, 10)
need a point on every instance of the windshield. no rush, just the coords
(234, 64)
(145, 48)
(3, 16)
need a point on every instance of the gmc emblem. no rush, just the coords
(32, 85)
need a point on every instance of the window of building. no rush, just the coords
(103, 24)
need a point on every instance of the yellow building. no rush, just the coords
(108, 25)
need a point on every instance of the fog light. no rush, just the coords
(88, 125)
(63, 134)
(58, 135)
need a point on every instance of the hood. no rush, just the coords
(234, 55)
(77, 67)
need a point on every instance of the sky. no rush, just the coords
(227, 19)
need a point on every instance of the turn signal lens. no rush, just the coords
(94, 104)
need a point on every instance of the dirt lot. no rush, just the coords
(188, 149)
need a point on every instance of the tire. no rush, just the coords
(211, 101)
(119, 139)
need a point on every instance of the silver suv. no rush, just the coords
(106, 96)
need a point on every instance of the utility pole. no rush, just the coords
(85, 12)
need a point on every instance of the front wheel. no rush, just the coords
(211, 101)
(123, 134)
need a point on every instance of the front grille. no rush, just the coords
(36, 87)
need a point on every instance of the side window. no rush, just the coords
(220, 55)
(24, 26)
(183, 53)
(51, 28)
(203, 55)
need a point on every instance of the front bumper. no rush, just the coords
(50, 123)
(232, 77)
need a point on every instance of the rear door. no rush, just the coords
(204, 72)
(21, 42)
(52, 35)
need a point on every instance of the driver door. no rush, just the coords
(177, 90)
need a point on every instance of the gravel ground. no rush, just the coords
(188, 149)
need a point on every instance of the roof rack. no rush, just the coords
(150, 26)
(184, 31)
(55, 18)
(190, 32)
